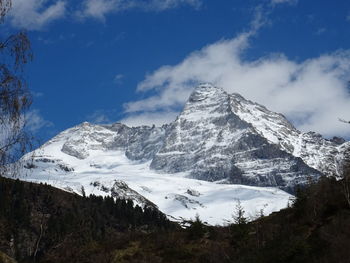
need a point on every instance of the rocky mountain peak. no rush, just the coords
(210, 141)
(206, 91)
(205, 102)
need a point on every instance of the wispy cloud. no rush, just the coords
(37, 94)
(100, 8)
(276, 2)
(118, 79)
(35, 122)
(320, 31)
(10, 132)
(36, 14)
(101, 116)
(312, 93)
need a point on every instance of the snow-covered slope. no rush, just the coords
(139, 143)
(200, 163)
(110, 172)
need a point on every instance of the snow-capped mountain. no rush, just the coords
(211, 142)
(192, 165)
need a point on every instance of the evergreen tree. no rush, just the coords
(196, 229)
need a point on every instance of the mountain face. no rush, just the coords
(140, 143)
(317, 152)
(212, 143)
(218, 140)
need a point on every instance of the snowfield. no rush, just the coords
(174, 194)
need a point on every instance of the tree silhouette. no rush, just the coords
(15, 99)
(342, 120)
(345, 171)
(238, 216)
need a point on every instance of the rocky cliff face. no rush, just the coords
(139, 143)
(212, 143)
(312, 148)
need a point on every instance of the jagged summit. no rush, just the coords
(205, 91)
(211, 142)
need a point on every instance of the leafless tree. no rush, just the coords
(345, 176)
(342, 120)
(345, 171)
(15, 99)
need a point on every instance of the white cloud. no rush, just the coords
(99, 8)
(36, 14)
(313, 93)
(100, 117)
(150, 118)
(34, 121)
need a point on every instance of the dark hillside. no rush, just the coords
(42, 222)
(316, 229)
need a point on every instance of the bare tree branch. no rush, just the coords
(15, 98)
(341, 120)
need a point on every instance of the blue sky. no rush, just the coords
(104, 60)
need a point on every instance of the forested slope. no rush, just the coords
(39, 223)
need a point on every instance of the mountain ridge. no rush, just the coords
(219, 140)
